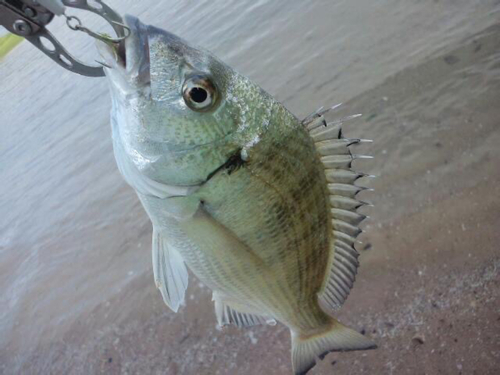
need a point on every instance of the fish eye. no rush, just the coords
(199, 93)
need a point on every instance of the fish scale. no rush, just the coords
(285, 181)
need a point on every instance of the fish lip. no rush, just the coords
(129, 61)
(136, 48)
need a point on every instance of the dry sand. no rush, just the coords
(428, 287)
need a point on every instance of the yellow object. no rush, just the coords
(8, 43)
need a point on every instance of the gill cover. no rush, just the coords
(171, 122)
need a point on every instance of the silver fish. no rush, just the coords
(259, 205)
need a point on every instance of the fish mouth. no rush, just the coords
(129, 59)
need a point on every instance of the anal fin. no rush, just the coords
(232, 312)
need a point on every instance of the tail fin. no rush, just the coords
(307, 348)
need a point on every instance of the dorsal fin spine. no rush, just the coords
(346, 227)
(351, 217)
(336, 157)
(345, 203)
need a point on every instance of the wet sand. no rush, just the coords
(75, 267)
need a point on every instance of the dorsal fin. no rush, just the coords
(334, 152)
(227, 314)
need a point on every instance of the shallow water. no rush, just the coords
(75, 267)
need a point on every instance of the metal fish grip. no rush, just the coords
(28, 18)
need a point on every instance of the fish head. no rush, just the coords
(176, 108)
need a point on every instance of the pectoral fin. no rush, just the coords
(217, 240)
(170, 272)
(236, 269)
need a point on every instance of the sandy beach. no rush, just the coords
(76, 283)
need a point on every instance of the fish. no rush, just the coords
(261, 206)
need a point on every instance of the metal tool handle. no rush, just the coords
(53, 49)
(28, 18)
